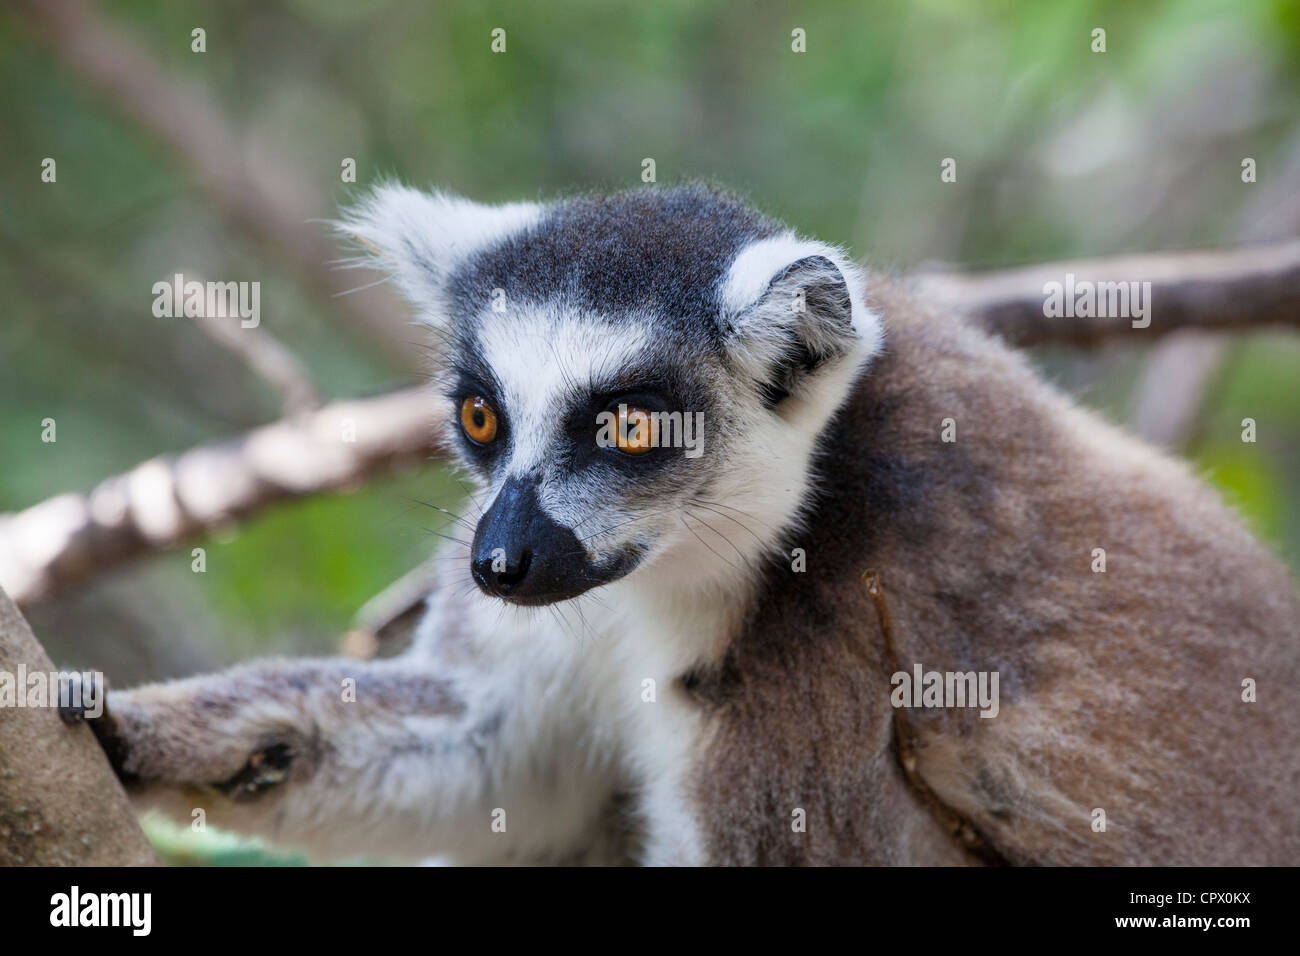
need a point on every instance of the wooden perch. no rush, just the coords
(170, 500)
(60, 803)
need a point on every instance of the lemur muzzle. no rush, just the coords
(523, 555)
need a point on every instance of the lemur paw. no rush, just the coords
(102, 724)
(79, 691)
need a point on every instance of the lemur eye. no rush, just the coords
(637, 432)
(478, 419)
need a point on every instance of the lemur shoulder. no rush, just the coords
(640, 672)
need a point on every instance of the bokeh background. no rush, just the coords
(1061, 152)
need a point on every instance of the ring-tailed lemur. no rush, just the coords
(670, 656)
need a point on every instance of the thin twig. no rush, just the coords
(265, 355)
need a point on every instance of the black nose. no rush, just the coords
(522, 554)
(500, 572)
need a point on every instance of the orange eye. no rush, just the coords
(638, 431)
(478, 419)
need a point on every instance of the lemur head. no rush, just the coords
(638, 379)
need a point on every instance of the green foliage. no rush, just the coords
(1261, 478)
(302, 570)
(182, 846)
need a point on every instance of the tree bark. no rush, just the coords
(1230, 290)
(60, 802)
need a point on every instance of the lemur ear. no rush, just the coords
(419, 238)
(791, 307)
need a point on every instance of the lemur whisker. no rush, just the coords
(582, 618)
(428, 504)
(615, 527)
(394, 519)
(361, 288)
(569, 383)
(706, 544)
(564, 624)
(606, 359)
(592, 634)
(501, 612)
(582, 624)
(739, 511)
(740, 554)
(567, 624)
(469, 491)
(592, 595)
(439, 534)
(701, 504)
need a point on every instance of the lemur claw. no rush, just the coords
(74, 710)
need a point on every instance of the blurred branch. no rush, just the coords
(167, 501)
(1237, 289)
(270, 360)
(60, 802)
(182, 116)
(267, 357)
(164, 502)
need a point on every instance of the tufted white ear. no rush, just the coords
(419, 237)
(790, 306)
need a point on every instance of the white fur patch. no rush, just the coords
(419, 237)
(759, 262)
(540, 356)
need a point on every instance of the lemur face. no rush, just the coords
(637, 379)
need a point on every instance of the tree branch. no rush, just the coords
(60, 802)
(1233, 290)
(269, 359)
(165, 502)
(1173, 387)
(168, 501)
(266, 357)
